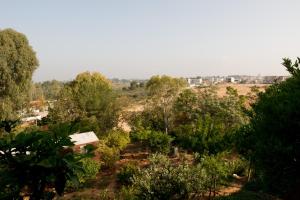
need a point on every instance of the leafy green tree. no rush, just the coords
(89, 95)
(162, 91)
(185, 107)
(17, 64)
(31, 162)
(36, 92)
(51, 89)
(205, 122)
(272, 137)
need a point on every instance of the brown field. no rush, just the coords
(242, 89)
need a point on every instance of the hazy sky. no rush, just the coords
(140, 38)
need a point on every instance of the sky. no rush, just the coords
(135, 39)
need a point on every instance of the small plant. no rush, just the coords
(127, 193)
(89, 171)
(126, 173)
(109, 156)
(104, 195)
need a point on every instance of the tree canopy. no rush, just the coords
(272, 137)
(17, 64)
(162, 91)
(90, 95)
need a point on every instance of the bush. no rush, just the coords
(216, 173)
(104, 195)
(239, 166)
(89, 171)
(109, 156)
(117, 139)
(157, 141)
(140, 136)
(162, 180)
(126, 173)
(127, 193)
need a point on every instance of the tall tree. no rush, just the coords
(163, 91)
(51, 89)
(272, 138)
(17, 64)
(89, 95)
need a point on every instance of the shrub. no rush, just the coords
(239, 166)
(127, 193)
(126, 173)
(104, 195)
(117, 139)
(159, 142)
(140, 136)
(89, 171)
(162, 180)
(216, 172)
(109, 156)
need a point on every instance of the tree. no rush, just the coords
(162, 91)
(272, 137)
(51, 89)
(17, 64)
(32, 162)
(205, 122)
(89, 95)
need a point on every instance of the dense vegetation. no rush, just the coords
(193, 142)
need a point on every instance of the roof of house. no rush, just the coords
(84, 138)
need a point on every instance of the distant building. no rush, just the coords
(193, 82)
(230, 79)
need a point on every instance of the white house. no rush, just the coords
(82, 139)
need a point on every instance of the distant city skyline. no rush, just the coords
(133, 39)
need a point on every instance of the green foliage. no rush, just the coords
(108, 155)
(203, 136)
(51, 89)
(17, 64)
(90, 169)
(239, 166)
(110, 147)
(157, 141)
(31, 161)
(204, 122)
(271, 140)
(126, 173)
(162, 180)
(104, 195)
(127, 193)
(89, 95)
(117, 139)
(140, 135)
(162, 91)
(216, 173)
